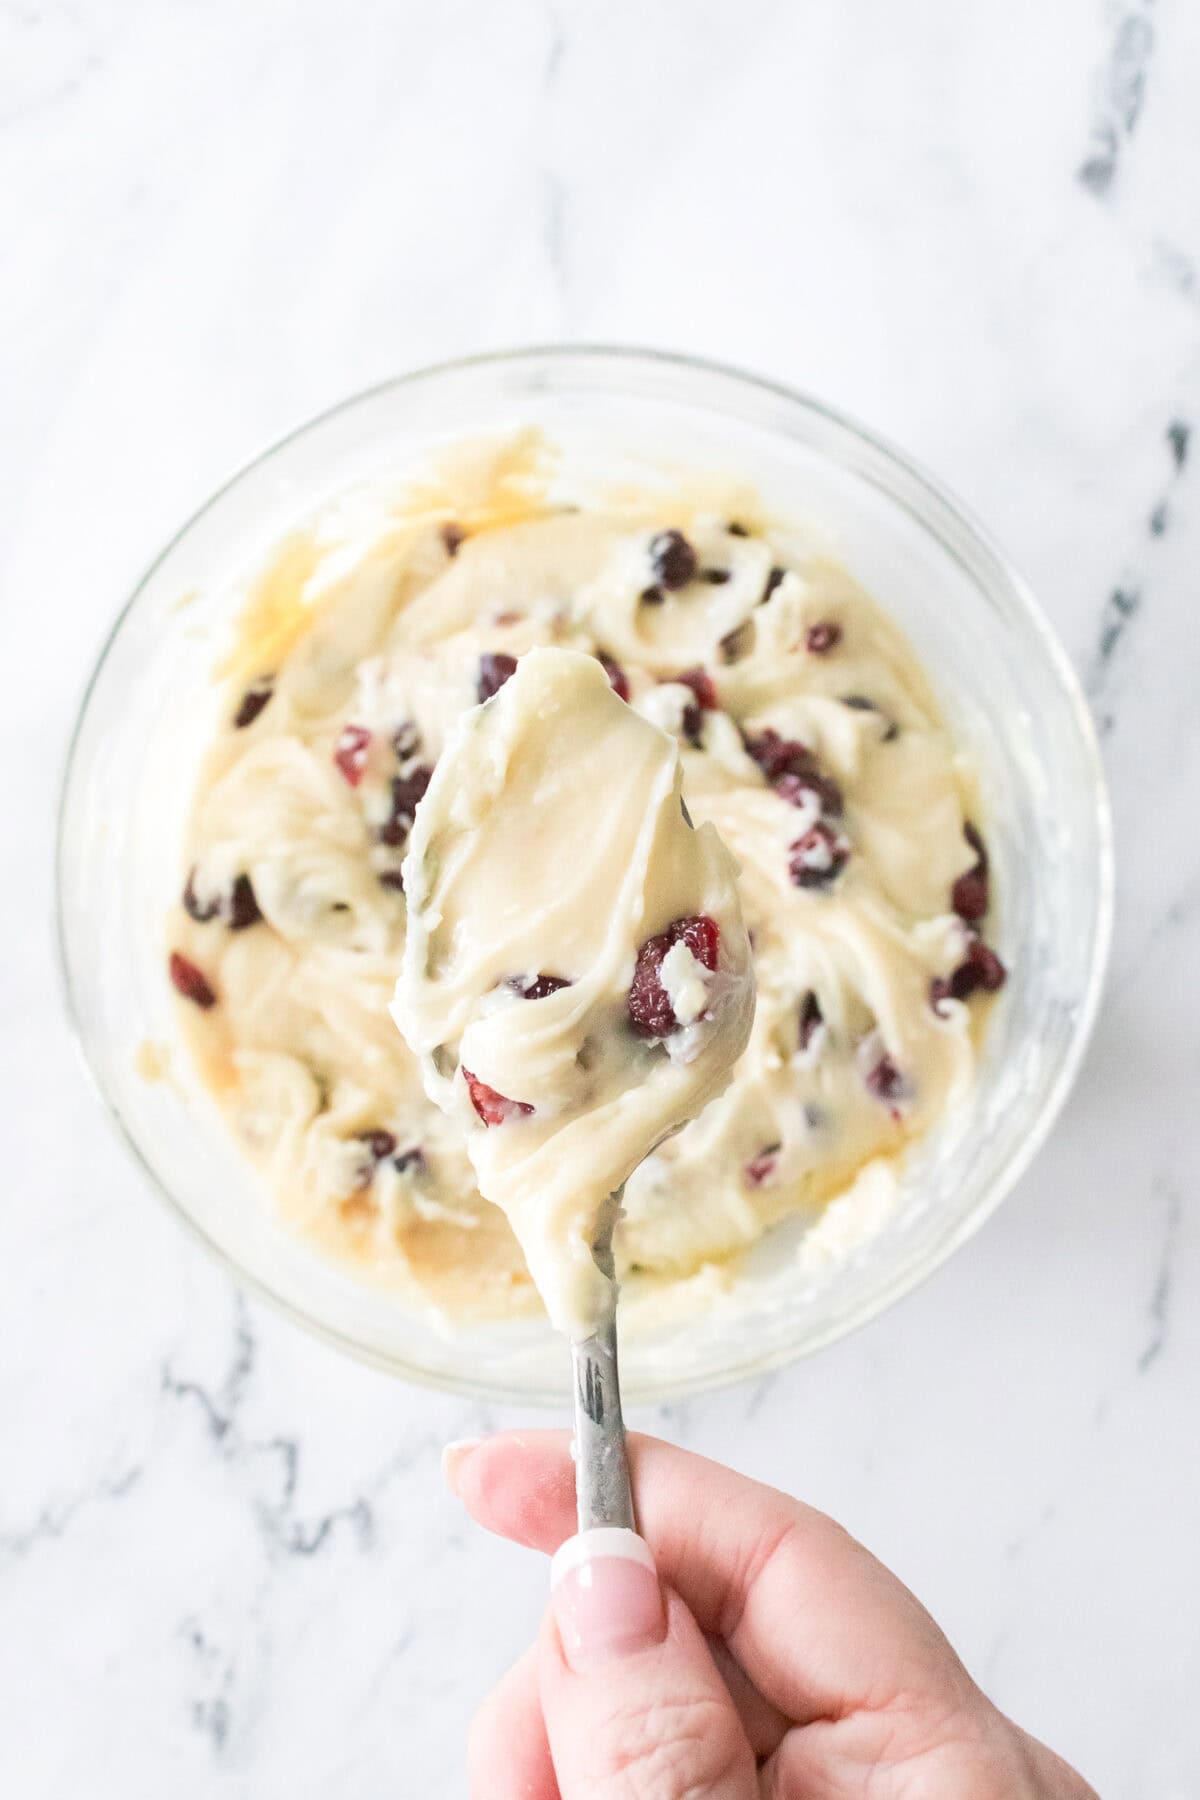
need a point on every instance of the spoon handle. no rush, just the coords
(603, 1496)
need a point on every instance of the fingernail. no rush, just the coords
(453, 1458)
(606, 1598)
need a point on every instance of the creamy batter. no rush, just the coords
(808, 737)
(577, 978)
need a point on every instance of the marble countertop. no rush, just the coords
(227, 1563)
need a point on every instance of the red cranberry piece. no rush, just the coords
(201, 911)
(980, 971)
(811, 1019)
(702, 685)
(406, 740)
(884, 1080)
(650, 1009)
(377, 1144)
(674, 560)
(778, 756)
(760, 1168)
(351, 751)
(393, 879)
(818, 858)
(407, 793)
(188, 980)
(823, 637)
(252, 703)
(737, 643)
(537, 987)
(716, 577)
(244, 909)
(495, 668)
(616, 674)
(970, 896)
(493, 1108)
(773, 580)
(800, 790)
(452, 536)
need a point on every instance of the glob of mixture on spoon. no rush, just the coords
(577, 980)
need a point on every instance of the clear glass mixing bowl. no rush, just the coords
(1005, 684)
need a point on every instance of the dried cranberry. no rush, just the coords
(970, 896)
(252, 703)
(716, 577)
(201, 911)
(773, 580)
(738, 643)
(377, 1144)
(823, 637)
(406, 740)
(650, 1009)
(393, 879)
(811, 1019)
(537, 987)
(760, 1168)
(187, 980)
(702, 685)
(884, 1079)
(407, 793)
(615, 673)
(452, 536)
(778, 756)
(818, 858)
(244, 909)
(674, 560)
(495, 668)
(980, 971)
(799, 790)
(493, 1108)
(652, 596)
(351, 751)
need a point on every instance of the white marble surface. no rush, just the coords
(227, 1565)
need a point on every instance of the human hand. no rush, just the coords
(777, 1660)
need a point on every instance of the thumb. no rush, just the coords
(632, 1699)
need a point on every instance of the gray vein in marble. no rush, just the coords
(1175, 268)
(1019, 1544)
(1160, 1299)
(54, 1522)
(211, 1715)
(274, 1462)
(554, 228)
(1121, 95)
(1125, 599)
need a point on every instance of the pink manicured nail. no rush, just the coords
(453, 1457)
(606, 1597)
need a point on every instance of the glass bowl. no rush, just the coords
(1004, 681)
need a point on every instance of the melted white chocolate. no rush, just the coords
(551, 845)
(371, 644)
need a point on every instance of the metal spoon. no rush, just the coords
(603, 1496)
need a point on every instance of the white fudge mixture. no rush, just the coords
(808, 737)
(577, 978)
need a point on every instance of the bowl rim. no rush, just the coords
(955, 514)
